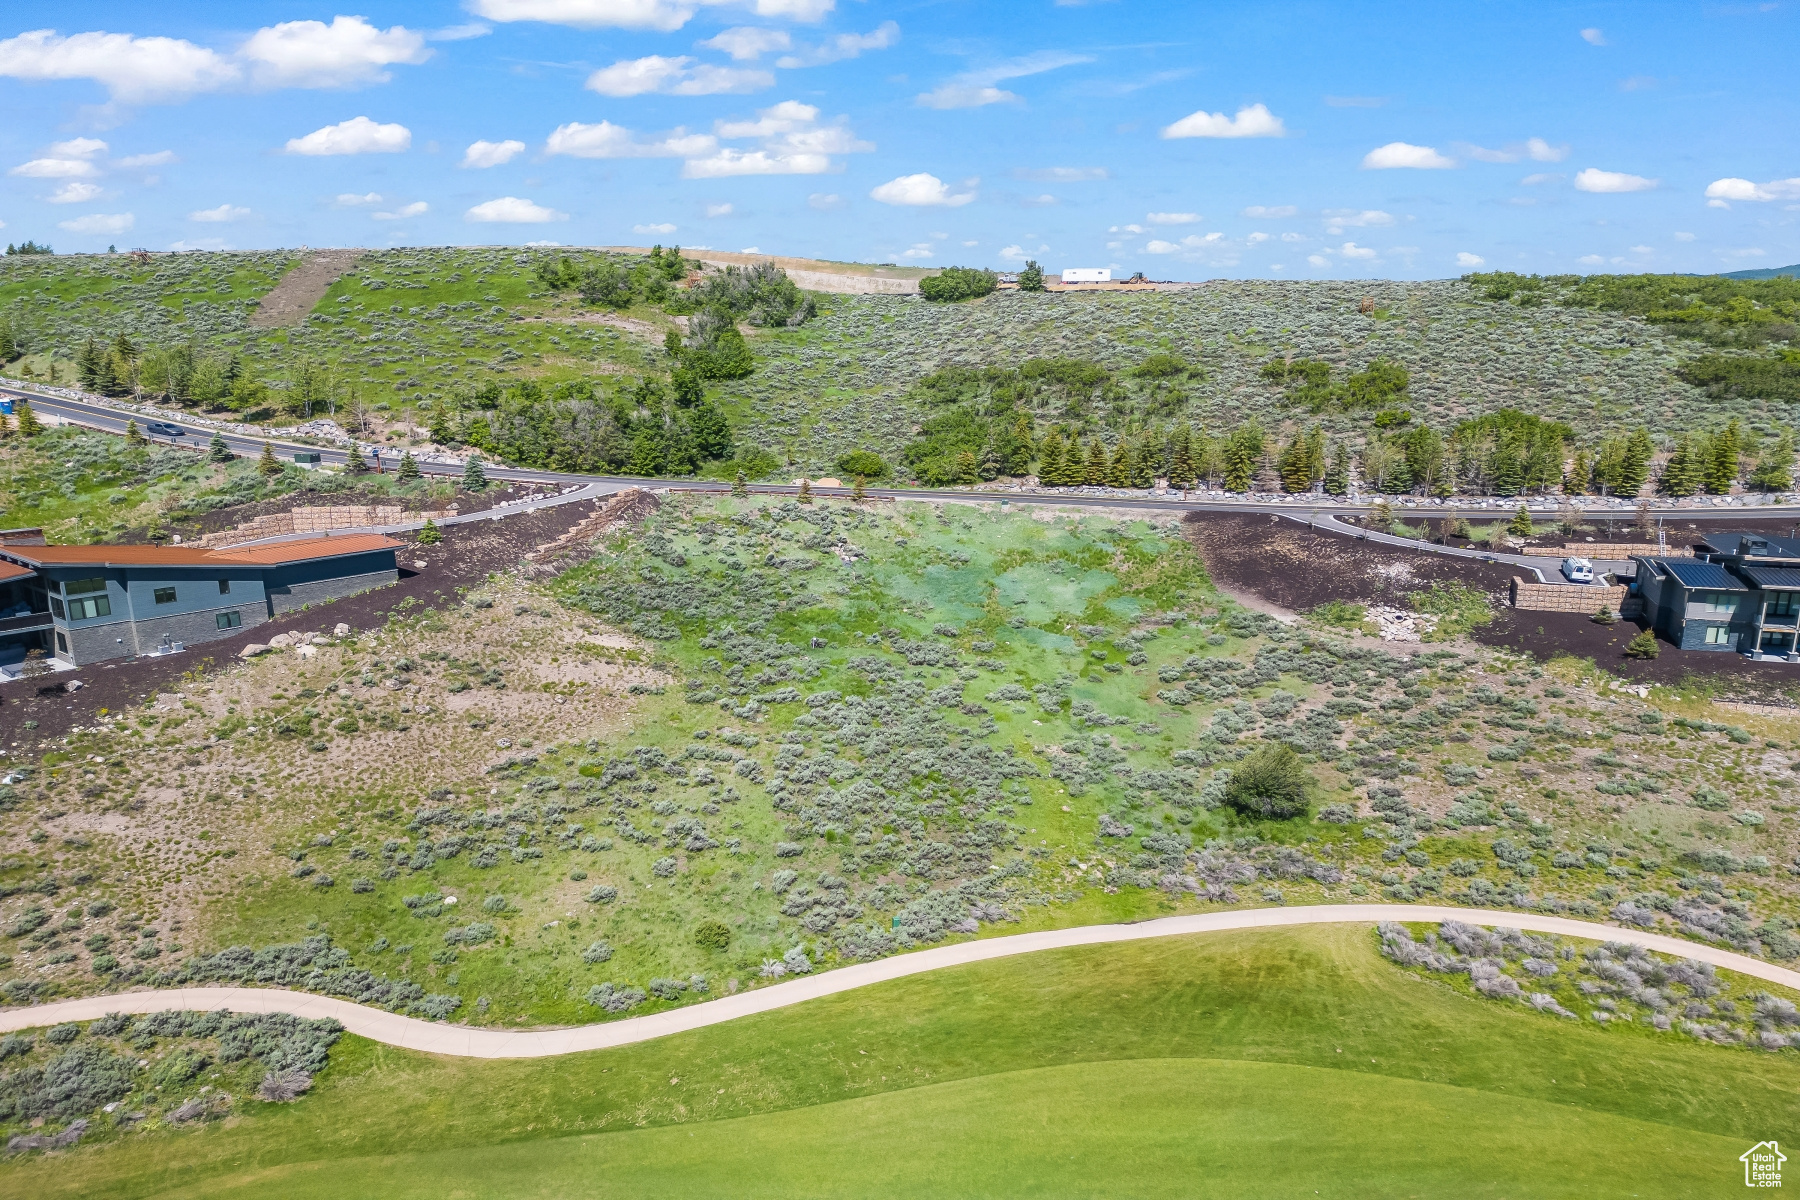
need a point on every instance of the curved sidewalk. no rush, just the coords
(414, 1034)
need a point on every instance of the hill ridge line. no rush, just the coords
(464, 1041)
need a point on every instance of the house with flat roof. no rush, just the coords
(86, 604)
(1740, 592)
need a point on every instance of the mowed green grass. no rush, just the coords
(1251, 1064)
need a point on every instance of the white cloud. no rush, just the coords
(663, 227)
(81, 147)
(662, 15)
(1593, 37)
(1643, 250)
(679, 76)
(134, 70)
(510, 210)
(606, 140)
(546, 242)
(793, 143)
(1014, 254)
(1293, 237)
(973, 89)
(1594, 180)
(352, 200)
(99, 223)
(1318, 260)
(358, 135)
(459, 33)
(160, 158)
(1128, 229)
(74, 192)
(751, 250)
(1043, 201)
(918, 250)
(1061, 174)
(346, 53)
(223, 213)
(491, 154)
(1591, 260)
(971, 244)
(1542, 151)
(1267, 212)
(1160, 247)
(1402, 155)
(417, 208)
(1339, 219)
(1352, 250)
(1171, 218)
(747, 43)
(1251, 121)
(1542, 177)
(1684, 237)
(56, 168)
(1465, 259)
(720, 210)
(825, 201)
(841, 47)
(1743, 189)
(920, 191)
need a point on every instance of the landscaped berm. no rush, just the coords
(1234, 1065)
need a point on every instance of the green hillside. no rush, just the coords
(563, 359)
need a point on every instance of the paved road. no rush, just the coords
(112, 419)
(461, 1041)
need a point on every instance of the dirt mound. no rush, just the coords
(288, 302)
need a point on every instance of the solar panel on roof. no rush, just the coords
(1703, 575)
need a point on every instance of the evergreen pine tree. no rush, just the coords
(805, 496)
(1315, 455)
(1095, 473)
(133, 435)
(354, 462)
(1120, 470)
(1520, 525)
(1508, 468)
(1443, 483)
(739, 487)
(87, 365)
(1634, 464)
(1181, 461)
(1683, 474)
(859, 491)
(1143, 470)
(1775, 465)
(441, 430)
(1337, 475)
(1050, 460)
(474, 477)
(968, 470)
(268, 464)
(1292, 466)
(1241, 456)
(218, 451)
(409, 468)
(1722, 467)
(430, 535)
(25, 420)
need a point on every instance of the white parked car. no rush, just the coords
(1578, 570)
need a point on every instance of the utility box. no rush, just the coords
(307, 458)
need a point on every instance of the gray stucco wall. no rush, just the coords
(294, 596)
(196, 627)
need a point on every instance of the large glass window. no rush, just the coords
(1717, 635)
(1783, 604)
(85, 608)
(230, 620)
(81, 587)
(165, 595)
(57, 610)
(1720, 602)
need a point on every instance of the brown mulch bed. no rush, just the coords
(1547, 635)
(467, 555)
(1297, 569)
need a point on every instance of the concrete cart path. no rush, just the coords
(414, 1034)
(1547, 570)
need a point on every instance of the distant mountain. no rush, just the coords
(1765, 273)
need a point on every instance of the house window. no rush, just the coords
(62, 644)
(1784, 604)
(1721, 602)
(88, 607)
(56, 609)
(80, 587)
(1717, 635)
(224, 587)
(165, 595)
(230, 620)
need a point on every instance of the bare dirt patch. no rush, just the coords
(648, 330)
(1297, 569)
(288, 302)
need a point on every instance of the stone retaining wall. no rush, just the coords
(1566, 597)
(318, 520)
(1623, 550)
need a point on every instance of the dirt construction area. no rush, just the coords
(1286, 568)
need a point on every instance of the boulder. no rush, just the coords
(306, 651)
(342, 630)
(254, 649)
(280, 641)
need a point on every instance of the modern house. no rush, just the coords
(1740, 591)
(85, 604)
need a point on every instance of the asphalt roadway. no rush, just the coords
(463, 1041)
(112, 420)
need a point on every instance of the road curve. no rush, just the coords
(462, 1041)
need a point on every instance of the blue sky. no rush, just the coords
(1186, 140)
